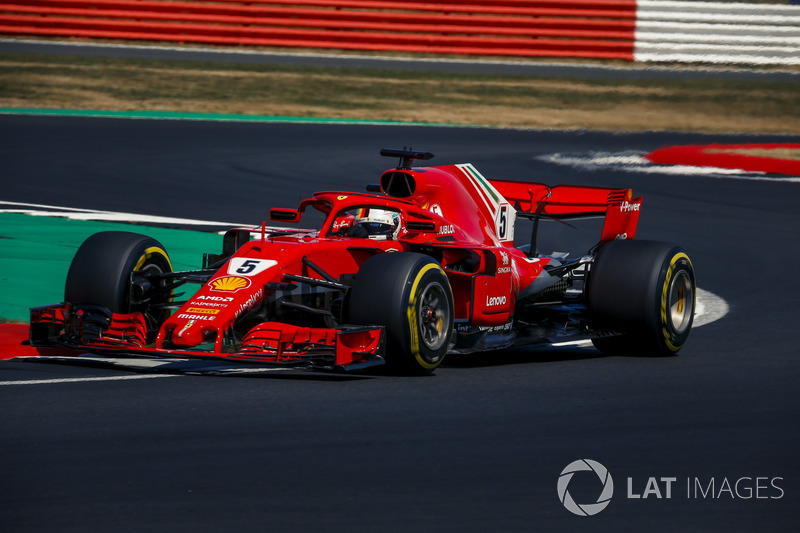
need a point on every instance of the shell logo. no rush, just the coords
(229, 283)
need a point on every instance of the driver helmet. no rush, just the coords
(378, 223)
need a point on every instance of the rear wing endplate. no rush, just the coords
(564, 202)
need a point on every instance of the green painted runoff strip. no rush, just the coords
(220, 117)
(36, 251)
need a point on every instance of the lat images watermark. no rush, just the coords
(585, 509)
(662, 487)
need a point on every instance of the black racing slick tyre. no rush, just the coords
(409, 294)
(100, 274)
(645, 291)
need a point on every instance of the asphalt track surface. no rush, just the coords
(470, 66)
(480, 445)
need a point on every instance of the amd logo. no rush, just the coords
(216, 298)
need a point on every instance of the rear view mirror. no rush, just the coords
(284, 215)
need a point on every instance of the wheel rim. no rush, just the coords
(681, 301)
(154, 317)
(434, 316)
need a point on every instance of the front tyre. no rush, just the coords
(408, 294)
(100, 274)
(644, 290)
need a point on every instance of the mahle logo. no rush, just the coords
(585, 509)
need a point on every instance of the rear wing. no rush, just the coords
(563, 202)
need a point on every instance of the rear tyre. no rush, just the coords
(644, 290)
(100, 274)
(410, 295)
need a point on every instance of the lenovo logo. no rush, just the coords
(495, 301)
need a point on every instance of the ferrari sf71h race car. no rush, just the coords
(421, 265)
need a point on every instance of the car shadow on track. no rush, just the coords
(209, 368)
(189, 368)
(526, 355)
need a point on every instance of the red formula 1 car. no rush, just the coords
(422, 265)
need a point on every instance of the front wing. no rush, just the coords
(97, 330)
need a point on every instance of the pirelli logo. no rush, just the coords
(202, 311)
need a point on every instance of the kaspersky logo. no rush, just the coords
(605, 487)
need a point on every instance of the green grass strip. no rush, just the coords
(36, 251)
(220, 117)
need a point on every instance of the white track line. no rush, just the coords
(75, 213)
(80, 380)
(709, 308)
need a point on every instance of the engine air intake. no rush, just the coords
(398, 184)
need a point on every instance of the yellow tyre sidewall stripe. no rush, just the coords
(665, 297)
(150, 252)
(412, 317)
